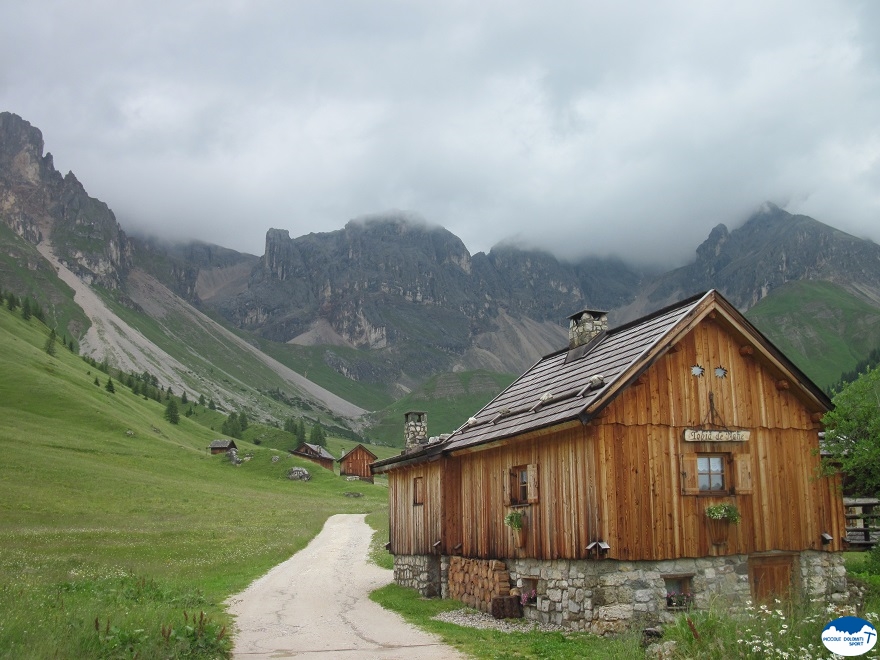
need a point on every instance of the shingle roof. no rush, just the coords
(220, 444)
(564, 381)
(319, 450)
(573, 385)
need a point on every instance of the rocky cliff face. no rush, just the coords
(772, 248)
(37, 203)
(412, 291)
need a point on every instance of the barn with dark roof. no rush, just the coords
(221, 446)
(316, 454)
(608, 454)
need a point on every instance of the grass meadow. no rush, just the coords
(120, 536)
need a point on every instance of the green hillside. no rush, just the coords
(118, 528)
(312, 362)
(24, 271)
(449, 399)
(823, 329)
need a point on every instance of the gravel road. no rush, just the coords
(316, 605)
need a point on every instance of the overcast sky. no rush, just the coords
(627, 128)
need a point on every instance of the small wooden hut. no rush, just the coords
(356, 463)
(316, 454)
(221, 446)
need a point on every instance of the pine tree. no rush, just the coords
(301, 431)
(172, 414)
(26, 309)
(290, 425)
(231, 426)
(317, 436)
(243, 421)
(109, 386)
(202, 400)
(97, 382)
(50, 343)
(183, 399)
(212, 405)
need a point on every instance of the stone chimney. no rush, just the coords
(415, 429)
(585, 325)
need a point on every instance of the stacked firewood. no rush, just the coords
(475, 582)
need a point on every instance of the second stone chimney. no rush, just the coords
(585, 325)
(415, 429)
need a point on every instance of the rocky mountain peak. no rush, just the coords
(37, 203)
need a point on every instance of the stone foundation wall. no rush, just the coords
(823, 576)
(606, 596)
(612, 596)
(419, 572)
(476, 581)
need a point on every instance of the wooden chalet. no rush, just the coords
(610, 451)
(316, 454)
(356, 463)
(221, 446)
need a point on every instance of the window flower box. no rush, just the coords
(719, 517)
(679, 601)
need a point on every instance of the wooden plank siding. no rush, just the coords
(559, 524)
(619, 479)
(786, 508)
(622, 477)
(357, 463)
(415, 527)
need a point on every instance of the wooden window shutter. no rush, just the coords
(690, 485)
(742, 474)
(532, 470)
(506, 478)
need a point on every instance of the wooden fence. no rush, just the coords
(862, 522)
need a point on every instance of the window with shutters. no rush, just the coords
(716, 473)
(522, 485)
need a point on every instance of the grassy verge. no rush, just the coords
(378, 520)
(496, 645)
(778, 630)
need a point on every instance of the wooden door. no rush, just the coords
(770, 576)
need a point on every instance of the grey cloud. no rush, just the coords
(628, 128)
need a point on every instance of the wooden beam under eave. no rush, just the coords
(539, 433)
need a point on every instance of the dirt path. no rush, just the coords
(316, 606)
